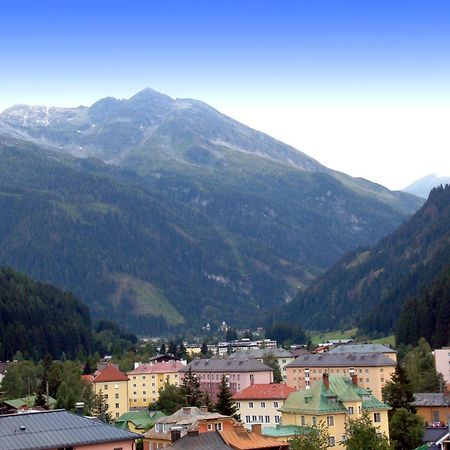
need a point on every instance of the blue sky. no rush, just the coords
(328, 63)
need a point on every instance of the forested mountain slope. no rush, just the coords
(369, 286)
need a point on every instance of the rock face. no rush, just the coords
(159, 208)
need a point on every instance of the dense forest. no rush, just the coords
(369, 286)
(36, 319)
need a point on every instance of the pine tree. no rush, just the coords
(225, 404)
(100, 408)
(398, 392)
(162, 350)
(204, 349)
(182, 352)
(191, 389)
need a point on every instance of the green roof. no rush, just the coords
(27, 401)
(285, 431)
(320, 400)
(140, 419)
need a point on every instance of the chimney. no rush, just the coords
(204, 409)
(326, 381)
(175, 434)
(355, 379)
(192, 433)
(256, 428)
(79, 406)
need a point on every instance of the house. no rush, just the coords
(260, 403)
(435, 438)
(442, 362)
(170, 428)
(374, 370)
(147, 379)
(166, 357)
(239, 374)
(282, 356)
(434, 408)
(110, 382)
(240, 438)
(193, 440)
(366, 349)
(138, 421)
(59, 429)
(26, 403)
(332, 400)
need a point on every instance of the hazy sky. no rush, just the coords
(363, 86)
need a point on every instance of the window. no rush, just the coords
(219, 426)
(275, 404)
(247, 419)
(143, 384)
(254, 419)
(117, 415)
(314, 421)
(376, 417)
(143, 377)
(277, 419)
(367, 380)
(250, 404)
(210, 426)
(116, 396)
(263, 404)
(260, 419)
(106, 396)
(116, 386)
(267, 419)
(238, 405)
(117, 405)
(134, 385)
(331, 441)
(351, 410)
(330, 421)
(144, 393)
(105, 387)
(303, 422)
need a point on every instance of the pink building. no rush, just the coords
(58, 429)
(239, 374)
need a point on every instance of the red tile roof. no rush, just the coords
(109, 373)
(162, 367)
(264, 391)
(242, 439)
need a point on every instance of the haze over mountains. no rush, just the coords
(423, 186)
(154, 208)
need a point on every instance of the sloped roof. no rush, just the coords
(319, 400)
(242, 439)
(56, 429)
(432, 399)
(203, 441)
(343, 360)
(269, 391)
(285, 431)
(226, 365)
(362, 348)
(434, 434)
(27, 401)
(109, 374)
(140, 419)
(260, 353)
(161, 367)
(188, 414)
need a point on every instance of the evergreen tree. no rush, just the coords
(191, 389)
(272, 362)
(182, 352)
(406, 429)
(361, 434)
(231, 335)
(225, 404)
(172, 349)
(100, 408)
(162, 350)
(398, 392)
(204, 349)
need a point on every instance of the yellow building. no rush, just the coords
(332, 401)
(113, 384)
(433, 407)
(147, 379)
(373, 370)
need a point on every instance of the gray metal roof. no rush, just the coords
(435, 399)
(56, 429)
(226, 365)
(259, 353)
(362, 348)
(204, 441)
(434, 434)
(342, 360)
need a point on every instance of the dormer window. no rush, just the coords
(367, 397)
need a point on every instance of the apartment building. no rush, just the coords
(239, 374)
(260, 404)
(365, 349)
(373, 370)
(332, 400)
(147, 379)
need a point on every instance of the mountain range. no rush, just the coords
(423, 186)
(165, 213)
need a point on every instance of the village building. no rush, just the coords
(373, 370)
(147, 379)
(433, 407)
(261, 403)
(366, 349)
(59, 429)
(238, 373)
(138, 421)
(333, 400)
